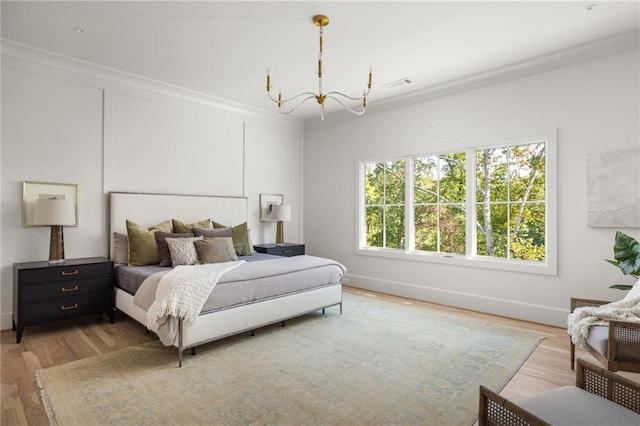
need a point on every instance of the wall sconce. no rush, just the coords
(55, 213)
(280, 213)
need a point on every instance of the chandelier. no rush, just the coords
(320, 21)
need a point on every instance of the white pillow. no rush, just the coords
(183, 250)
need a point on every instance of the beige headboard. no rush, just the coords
(151, 209)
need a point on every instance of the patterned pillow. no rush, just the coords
(183, 250)
(163, 247)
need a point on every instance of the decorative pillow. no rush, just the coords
(143, 249)
(120, 248)
(182, 228)
(240, 235)
(253, 251)
(213, 233)
(183, 251)
(216, 250)
(163, 247)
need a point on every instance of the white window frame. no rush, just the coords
(546, 267)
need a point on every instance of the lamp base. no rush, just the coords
(279, 232)
(56, 245)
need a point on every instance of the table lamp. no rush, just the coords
(280, 213)
(55, 213)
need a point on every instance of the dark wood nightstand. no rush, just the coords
(44, 292)
(284, 249)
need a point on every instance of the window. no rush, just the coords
(510, 202)
(439, 203)
(490, 206)
(384, 203)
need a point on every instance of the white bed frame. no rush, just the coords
(151, 209)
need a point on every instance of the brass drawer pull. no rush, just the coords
(66, 308)
(64, 289)
(287, 251)
(65, 273)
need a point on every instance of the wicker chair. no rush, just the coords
(599, 397)
(616, 346)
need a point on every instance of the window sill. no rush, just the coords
(542, 268)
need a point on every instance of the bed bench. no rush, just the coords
(599, 397)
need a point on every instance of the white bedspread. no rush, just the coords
(627, 309)
(180, 294)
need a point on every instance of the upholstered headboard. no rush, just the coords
(150, 209)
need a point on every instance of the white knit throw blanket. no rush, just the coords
(627, 309)
(182, 292)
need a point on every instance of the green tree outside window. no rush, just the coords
(508, 204)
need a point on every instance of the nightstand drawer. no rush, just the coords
(64, 307)
(65, 272)
(35, 292)
(287, 251)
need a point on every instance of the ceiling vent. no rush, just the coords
(399, 83)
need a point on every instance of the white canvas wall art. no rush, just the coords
(613, 189)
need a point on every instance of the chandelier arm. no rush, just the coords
(353, 111)
(313, 96)
(349, 97)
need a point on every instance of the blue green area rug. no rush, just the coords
(381, 362)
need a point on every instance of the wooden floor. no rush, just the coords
(47, 345)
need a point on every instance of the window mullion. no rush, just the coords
(384, 206)
(508, 180)
(471, 233)
(438, 200)
(409, 202)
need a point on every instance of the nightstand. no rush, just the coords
(43, 292)
(284, 249)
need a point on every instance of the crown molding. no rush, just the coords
(531, 66)
(32, 59)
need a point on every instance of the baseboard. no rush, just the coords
(6, 322)
(507, 308)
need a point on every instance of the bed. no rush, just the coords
(240, 312)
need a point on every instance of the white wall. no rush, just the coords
(275, 171)
(595, 107)
(72, 122)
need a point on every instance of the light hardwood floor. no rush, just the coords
(47, 345)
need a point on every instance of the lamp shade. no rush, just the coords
(281, 212)
(54, 212)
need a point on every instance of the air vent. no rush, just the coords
(399, 83)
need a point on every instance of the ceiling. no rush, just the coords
(224, 48)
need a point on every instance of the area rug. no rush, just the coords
(381, 362)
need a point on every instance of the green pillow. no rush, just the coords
(184, 228)
(143, 249)
(240, 235)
